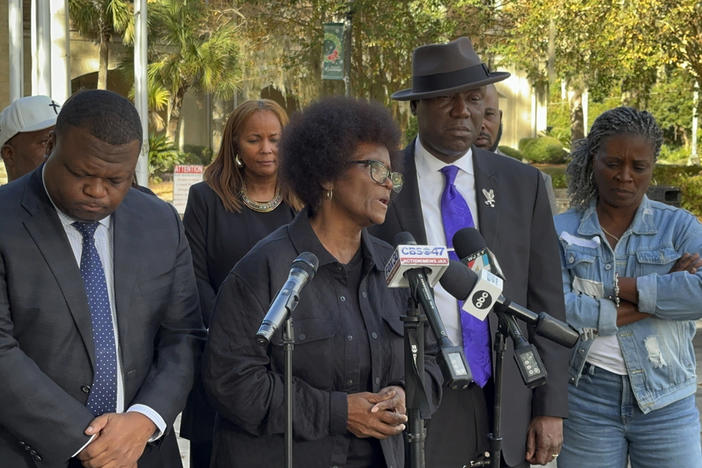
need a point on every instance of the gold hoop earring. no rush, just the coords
(239, 163)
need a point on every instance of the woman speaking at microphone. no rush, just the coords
(348, 364)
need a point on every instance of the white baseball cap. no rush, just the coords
(27, 114)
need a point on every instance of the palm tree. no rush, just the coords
(100, 20)
(197, 47)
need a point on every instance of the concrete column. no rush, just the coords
(141, 88)
(16, 46)
(694, 157)
(60, 52)
(41, 47)
(586, 101)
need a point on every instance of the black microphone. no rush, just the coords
(460, 281)
(302, 271)
(453, 363)
(471, 248)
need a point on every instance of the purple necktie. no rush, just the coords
(456, 215)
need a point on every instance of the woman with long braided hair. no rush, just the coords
(633, 290)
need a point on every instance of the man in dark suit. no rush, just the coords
(99, 319)
(507, 202)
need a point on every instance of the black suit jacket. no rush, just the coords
(46, 349)
(519, 230)
(218, 239)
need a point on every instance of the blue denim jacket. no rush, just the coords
(657, 351)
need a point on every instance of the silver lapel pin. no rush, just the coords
(489, 198)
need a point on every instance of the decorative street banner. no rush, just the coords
(183, 177)
(333, 52)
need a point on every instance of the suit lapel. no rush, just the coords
(487, 192)
(408, 204)
(126, 258)
(46, 230)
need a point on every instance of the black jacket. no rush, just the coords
(245, 380)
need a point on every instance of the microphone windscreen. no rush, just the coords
(467, 241)
(308, 262)
(458, 280)
(404, 238)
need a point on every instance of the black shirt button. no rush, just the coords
(374, 335)
(85, 388)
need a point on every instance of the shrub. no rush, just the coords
(670, 155)
(196, 154)
(163, 156)
(523, 142)
(511, 152)
(558, 175)
(544, 149)
(687, 178)
(412, 130)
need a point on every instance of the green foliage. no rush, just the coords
(511, 152)
(196, 154)
(544, 149)
(670, 155)
(163, 156)
(687, 178)
(99, 20)
(412, 130)
(561, 134)
(558, 175)
(670, 102)
(197, 46)
(94, 18)
(287, 36)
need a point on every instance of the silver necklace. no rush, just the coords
(609, 233)
(261, 207)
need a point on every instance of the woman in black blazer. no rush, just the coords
(240, 202)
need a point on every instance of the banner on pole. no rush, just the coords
(333, 52)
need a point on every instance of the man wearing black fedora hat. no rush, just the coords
(451, 184)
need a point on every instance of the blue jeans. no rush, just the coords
(605, 425)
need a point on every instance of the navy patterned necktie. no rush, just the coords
(456, 215)
(103, 393)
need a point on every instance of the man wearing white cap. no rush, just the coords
(25, 126)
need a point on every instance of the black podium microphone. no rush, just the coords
(302, 271)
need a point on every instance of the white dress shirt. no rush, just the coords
(104, 241)
(431, 184)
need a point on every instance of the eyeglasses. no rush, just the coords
(379, 172)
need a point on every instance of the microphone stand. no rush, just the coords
(532, 371)
(414, 381)
(288, 345)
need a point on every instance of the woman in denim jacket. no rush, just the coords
(633, 291)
